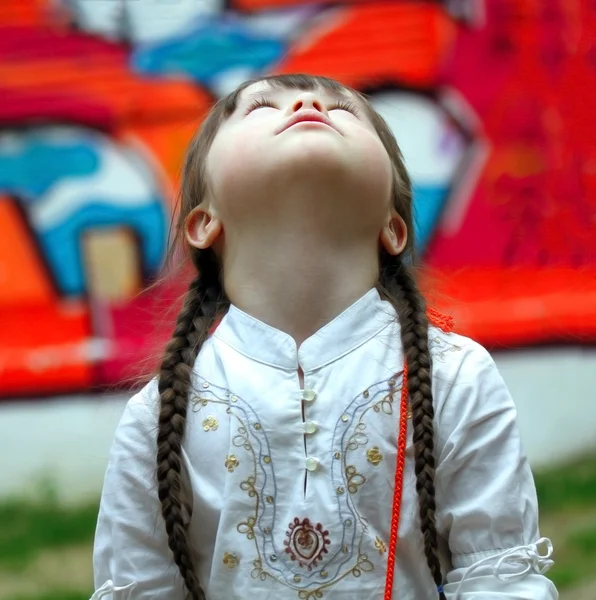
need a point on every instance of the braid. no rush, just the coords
(201, 304)
(400, 286)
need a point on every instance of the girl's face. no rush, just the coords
(315, 148)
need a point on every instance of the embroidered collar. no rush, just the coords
(355, 326)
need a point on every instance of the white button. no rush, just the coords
(308, 395)
(311, 463)
(310, 427)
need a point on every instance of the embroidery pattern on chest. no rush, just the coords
(440, 347)
(309, 558)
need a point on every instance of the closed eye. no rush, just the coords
(345, 105)
(259, 103)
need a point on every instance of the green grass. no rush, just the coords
(567, 487)
(26, 528)
(584, 541)
(567, 499)
(575, 556)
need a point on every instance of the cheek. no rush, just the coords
(230, 162)
(384, 167)
(375, 166)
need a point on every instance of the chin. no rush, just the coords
(347, 173)
(316, 155)
(322, 167)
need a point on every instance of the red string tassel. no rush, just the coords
(399, 479)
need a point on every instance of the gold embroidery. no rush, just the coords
(248, 485)
(439, 348)
(340, 489)
(374, 455)
(258, 572)
(241, 439)
(358, 438)
(366, 393)
(198, 403)
(247, 527)
(355, 479)
(385, 405)
(380, 545)
(231, 462)
(364, 565)
(359, 563)
(230, 560)
(210, 424)
(409, 412)
(306, 595)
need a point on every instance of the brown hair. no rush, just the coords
(206, 299)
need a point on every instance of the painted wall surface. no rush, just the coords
(491, 103)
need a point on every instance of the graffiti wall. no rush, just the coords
(491, 102)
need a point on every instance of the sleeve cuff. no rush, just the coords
(108, 591)
(528, 558)
(486, 587)
(513, 573)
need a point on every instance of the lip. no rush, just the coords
(307, 116)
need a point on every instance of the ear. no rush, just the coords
(394, 234)
(202, 227)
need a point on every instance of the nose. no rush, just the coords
(308, 101)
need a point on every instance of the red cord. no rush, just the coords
(399, 479)
(447, 324)
(438, 319)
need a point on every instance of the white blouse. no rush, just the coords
(293, 488)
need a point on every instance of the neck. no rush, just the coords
(297, 282)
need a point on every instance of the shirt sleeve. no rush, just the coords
(486, 498)
(131, 557)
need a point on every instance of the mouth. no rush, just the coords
(307, 116)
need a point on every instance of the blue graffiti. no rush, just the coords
(62, 244)
(37, 165)
(40, 168)
(429, 201)
(209, 51)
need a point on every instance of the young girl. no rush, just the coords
(321, 440)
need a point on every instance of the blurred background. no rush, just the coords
(493, 105)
